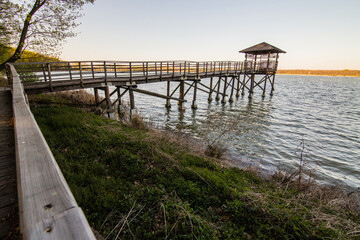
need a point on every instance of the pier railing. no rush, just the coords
(47, 208)
(128, 71)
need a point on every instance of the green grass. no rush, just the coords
(140, 184)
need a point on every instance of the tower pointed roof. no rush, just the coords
(262, 48)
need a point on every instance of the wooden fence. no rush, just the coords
(108, 70)
(47, 207)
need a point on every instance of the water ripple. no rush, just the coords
(323, 111)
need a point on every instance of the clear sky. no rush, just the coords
(316, 34)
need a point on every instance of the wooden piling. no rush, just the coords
(193, 105)
(167, 104)
(263, 94)
(238, 86)
(252, 82)
(108, 102)
(224, 91)
(217, 98)
(231, 99)
(96, 94)
(272, 85)
(132, 100)
(211, 89)
(181, 95)
(243, 86)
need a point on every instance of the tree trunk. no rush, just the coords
(17, 54)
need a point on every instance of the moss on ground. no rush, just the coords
(139, 184)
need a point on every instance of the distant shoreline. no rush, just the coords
(333, 73)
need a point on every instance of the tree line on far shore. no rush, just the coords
(344, 72)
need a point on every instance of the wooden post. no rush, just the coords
(161, 69)
(96, 94)
(185, 69)
(44, 73)
(105, 72)
(173, 70)
(266, 78)
(181, 95)
(231, 99)
(118, 95)
(197, 72)
(92, 70)
(238, 86)
(243, 86)
(272, 85)
(69, 66)
(206, 69)
(132, 100)
(119, 108)
(273, 81)
(224, 91)
(115, 70)
(130, 72)
(49, 75)
(217, 98)
(211, 90)
(194, 106)
(81, 77)
(108, 102)
(167, 104)
(255, 63)
(147, 71)
(251, 91)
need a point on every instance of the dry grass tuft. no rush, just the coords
(137, 122)
(80, 97)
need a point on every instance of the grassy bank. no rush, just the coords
(342, 73)
(133, 182)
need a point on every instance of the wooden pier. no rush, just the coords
(225, 79)
(47, 208)
(8, 193)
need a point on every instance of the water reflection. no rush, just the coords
(266, 132)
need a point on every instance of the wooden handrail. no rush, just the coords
(47, 207)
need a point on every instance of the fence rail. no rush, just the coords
(58, 76)
(85, 70)
(47, 208)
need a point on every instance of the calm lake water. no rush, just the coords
(266, 133)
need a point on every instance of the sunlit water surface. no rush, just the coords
(266, 133)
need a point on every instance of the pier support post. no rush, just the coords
(263, 94)
(132, 101)
(272, 86)
(224, 92)
(167, 104)
(181, 95)
(211, 89)
(252, 81)
(243, 86)
(96, 94)
(238, 86)
(231, 99)
(121, 112)
(217, 98)
(109, 109)
(193, 105)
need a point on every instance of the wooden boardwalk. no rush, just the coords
(9, 220)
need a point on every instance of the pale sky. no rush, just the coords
(316, 34)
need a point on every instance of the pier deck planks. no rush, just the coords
(8, 191)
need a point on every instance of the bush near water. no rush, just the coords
(140, 183)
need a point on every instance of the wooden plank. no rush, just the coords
(45, 199)
(156, 94)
